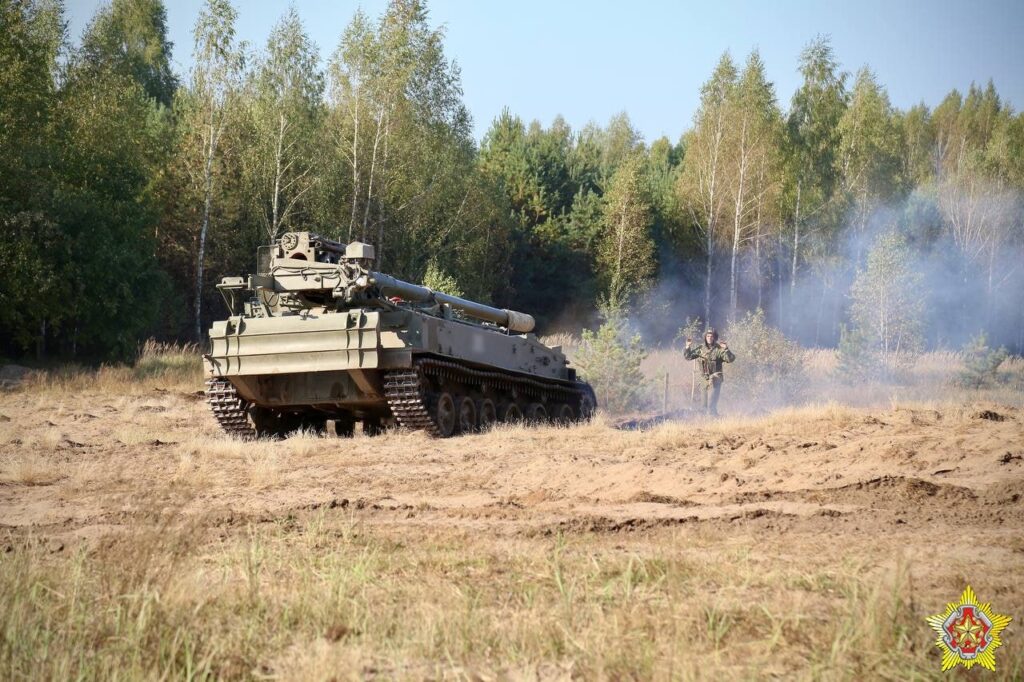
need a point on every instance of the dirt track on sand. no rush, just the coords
(78, 468)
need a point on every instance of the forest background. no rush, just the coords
(128, 190)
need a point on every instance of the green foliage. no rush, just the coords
(439, 280)
(812, 149)
(404, 166)
(769, 368)
(859, 360)
(128, 192)
(887, 306)
(692, 329)
(626, 251)
(129, 38)
(981, 363)
(869, 145)
(285, 91)
(610, 360)
(79, 273)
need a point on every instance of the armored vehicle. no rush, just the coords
(318, 340)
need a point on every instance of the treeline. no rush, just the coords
(128, 190)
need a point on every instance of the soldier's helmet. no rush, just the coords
(713, 333)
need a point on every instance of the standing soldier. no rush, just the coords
(712, 353)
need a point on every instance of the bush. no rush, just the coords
(438, 280)
(857, 360)
(610, 360)
(981, 363)
(769, 368)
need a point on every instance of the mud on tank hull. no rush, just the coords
(268, 376)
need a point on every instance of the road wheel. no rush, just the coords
(536, 413)
(344, 426)
(313, 425)
(273, 424)
(565, 414)
(372, 427)
(513, 415)
(488, 413)
(445, 417)
(467, 415)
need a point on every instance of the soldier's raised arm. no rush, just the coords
(689, 352)
(727, 355)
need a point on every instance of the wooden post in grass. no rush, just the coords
(664, 396)
(693, 381)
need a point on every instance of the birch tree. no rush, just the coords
(217, 65)
(703, 181)
(869, 149)
(754, 124)
(626, 252)
(286, 112)
(350, 74)
(887, 308)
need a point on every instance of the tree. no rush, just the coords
(917, 131)
(887, 307)
(30, 242)
(285, 110)
(702, 184)
(129, 37)
(437, 279)
(609, 359)
(626, 254)
(980, 363)
(869, 148)
(214, 84)
(754, 132)
(813, 132)
(402, 164)
(772, 371)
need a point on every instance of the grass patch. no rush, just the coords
(161, 366)
(327, 596)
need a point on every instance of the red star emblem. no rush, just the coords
(968, 634)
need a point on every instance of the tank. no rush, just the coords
(318, 340)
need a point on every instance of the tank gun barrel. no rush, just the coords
(514, 321)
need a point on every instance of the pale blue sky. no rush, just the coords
(590, 60)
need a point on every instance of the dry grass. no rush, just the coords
(328, 597)
(28, 470)
(138, 542)
(159, 366)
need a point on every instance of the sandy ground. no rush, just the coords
(937, 488)
(947, 480)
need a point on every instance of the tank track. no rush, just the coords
(408, 397)
(230, 410)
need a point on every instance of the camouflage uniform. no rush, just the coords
(711, 358)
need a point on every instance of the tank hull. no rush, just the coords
(306, 370)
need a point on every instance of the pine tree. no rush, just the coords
(813, 142)
(610, 359)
